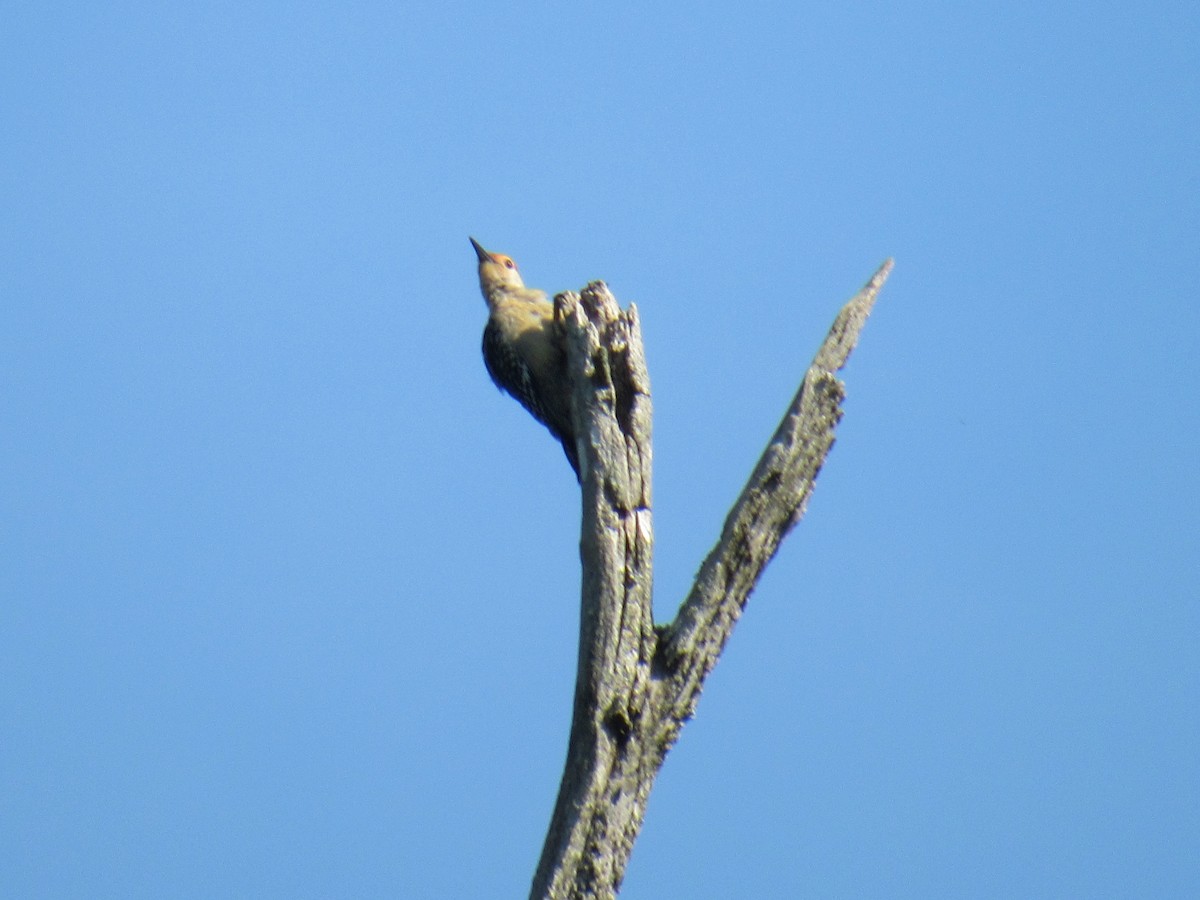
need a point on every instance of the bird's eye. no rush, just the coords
(509, 264)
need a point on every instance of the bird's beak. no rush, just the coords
(483, 255)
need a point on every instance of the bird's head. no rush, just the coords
(497, 272)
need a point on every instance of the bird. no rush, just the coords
(524, 349)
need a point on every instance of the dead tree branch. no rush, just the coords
(637, 685)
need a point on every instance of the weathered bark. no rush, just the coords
(637, 685)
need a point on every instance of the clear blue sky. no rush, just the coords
(289, 591)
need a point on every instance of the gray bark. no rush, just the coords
(637, 684)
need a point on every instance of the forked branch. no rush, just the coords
(637, 685)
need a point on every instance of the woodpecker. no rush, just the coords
(523, 349)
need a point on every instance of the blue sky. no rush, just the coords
(290, 592)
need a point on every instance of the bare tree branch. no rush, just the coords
(770, 505)
(594, 816)
(637, 686)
